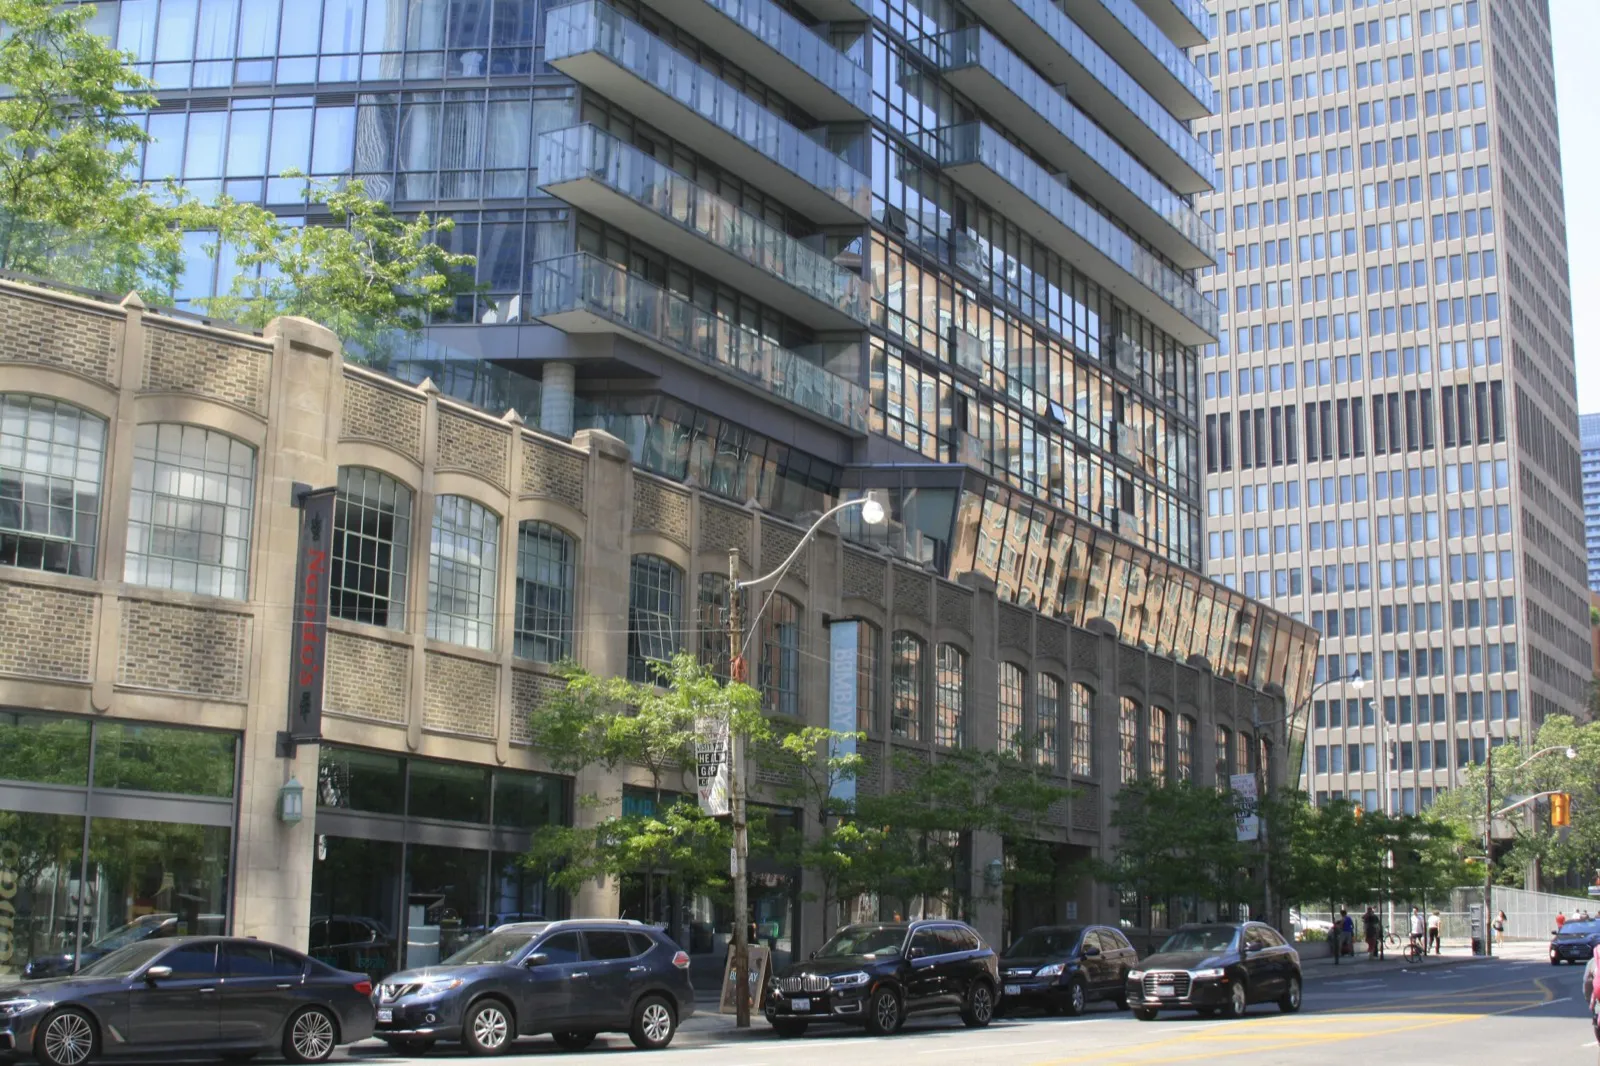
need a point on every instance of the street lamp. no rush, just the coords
(1488, 826)
(872, 514)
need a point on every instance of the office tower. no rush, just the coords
(1589, 433)
(1389, 409)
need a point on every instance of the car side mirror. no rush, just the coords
(538, 958)
(1090, 951)
(812, 955)
(916, 953)
(157, 973)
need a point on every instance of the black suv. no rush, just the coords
(1217, 967)
(572, 979)
(1063, 967)
(875, 974)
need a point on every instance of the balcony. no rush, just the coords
(997, 171)
(1041, 33)
(975, 62)
(582, 293)
(1131, 38)
(595, 171)
(837, 10)
(1186, 23)
(781, 50)
(599, 48)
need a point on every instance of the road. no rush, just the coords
(1498, 1013)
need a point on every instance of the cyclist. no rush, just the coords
(1418, 931)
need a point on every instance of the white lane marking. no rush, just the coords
(989, 1047)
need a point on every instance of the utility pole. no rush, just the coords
(1488, 846)
(741, 839)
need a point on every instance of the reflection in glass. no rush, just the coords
(152, 758)
(445, 890)
(44, 747)
(350, 779)
(138, 868)
(353, 897)
(528, 801)
(451, 792)
(39, 869)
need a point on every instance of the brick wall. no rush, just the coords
(528, 690)
(33, 331)
(182, 361)
(552, 474)
(367, 678)
(467, 444)
(45, 632)
(461, 695)
(183, 649)
(955, 608)
(863, 576)
(375, 413)
(723, 528)
(776, 544)
(658, 509)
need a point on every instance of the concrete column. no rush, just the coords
(983, 734)
(556, 399)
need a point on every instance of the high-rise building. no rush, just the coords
(1389, 410)
(1589, 435)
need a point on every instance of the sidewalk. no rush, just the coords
(1316, 959)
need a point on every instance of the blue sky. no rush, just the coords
(1575, 25)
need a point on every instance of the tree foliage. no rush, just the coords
(1177, 839)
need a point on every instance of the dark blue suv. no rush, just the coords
(572, 979)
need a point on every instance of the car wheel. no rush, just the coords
(1076, 999)
(788, 1027)
(654, 1023)
(1289, 1002)
(1122, 1002)
(1554, 959)
(1238, 1001)
(487, 1028)
(1144, 1014)
(573, 1041)
(409, 1045)
(883, 1013)
(310, 1036)
(978, 1010)
(66, 1038)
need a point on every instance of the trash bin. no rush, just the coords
(1477, 945)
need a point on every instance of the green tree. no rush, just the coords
(1177, 840)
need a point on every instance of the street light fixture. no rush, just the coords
(1488, 825)
(872, 513)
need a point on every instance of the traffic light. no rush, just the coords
(1560, 810)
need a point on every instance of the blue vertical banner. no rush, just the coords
(844, 652)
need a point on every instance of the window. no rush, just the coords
(1128, 739)
(1012, 683)
(52, 457)
(192, 961)
(1159, 721)
(655, 605)
(545, 568)
(605, 945)
(778, 671)
(712, 615)
(1185, 748)
(869, 651)
(905, 687)
(371, 545)
(1082, 711)
(950, 696)
(1224, 756)
(1047, 719)
(462, 572)
(189, 510)
(561, 948)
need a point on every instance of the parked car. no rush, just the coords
(144, 927)
(572, 979)
(1218, 967)
(1574, 942)
(188, 996)
(878, 973)
(1064, 968)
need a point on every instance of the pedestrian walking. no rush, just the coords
(1372, 929)
(1561, 919)
(1433, 933)
(1500, 928)
(1343, 933)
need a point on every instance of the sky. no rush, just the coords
(1575, 26)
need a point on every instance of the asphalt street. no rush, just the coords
(1498, 1013)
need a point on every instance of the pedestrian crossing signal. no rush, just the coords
(1560, 810)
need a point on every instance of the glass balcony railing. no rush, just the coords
(1194, 12)
(583, 282)
(1167, 54)
(590, 26)
(802, 46)
(1069, 37)
(974, 142)
(975, 46)
(585, 152)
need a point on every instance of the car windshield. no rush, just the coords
(492, 949)
(1581, 928)
(1043, 942)
(864, 940)
(1201, 938)
(125, 960)
(135, 931)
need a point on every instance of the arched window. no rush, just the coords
(905, 686)
(189, 511)
(1160, 720)
(1082, 710)
(1047, 719)
(463, 569)
(1186, 727)
(869, 654)
(655, 613)
(52, 460)
(1243, 754)
(371, 548)
(1128, 739)
(1224, 755)
(778, 672)
(1013, 682)
(711, 612)
(950, 697)
(546, 566)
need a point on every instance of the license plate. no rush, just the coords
(1166, 990)
(800, 1004)
(1013, 990)
(385, 1014)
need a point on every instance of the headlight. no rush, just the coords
(1200, 975)
(11, 1007)
(439, 985)
(1052, 970)
(1134, 975)
(849, 980)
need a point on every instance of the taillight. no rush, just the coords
(681, 960)
(364, 988)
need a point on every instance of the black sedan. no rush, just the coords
(1218, 967)
(1063, 968)
(1574, 942)
(188, 995)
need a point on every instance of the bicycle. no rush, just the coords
(1413, 949)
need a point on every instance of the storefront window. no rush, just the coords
(139, 869)
(44, 748)
(353, 899)
(449, 792)
(349, 779)
(40, 860)
(150, 758)
(527, 801)
(445, 892)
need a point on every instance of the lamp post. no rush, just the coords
(1488, 827)
(872, 514)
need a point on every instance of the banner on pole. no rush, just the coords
(1245, 804)
(308, 650)
(844, 650)
(712, 750)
